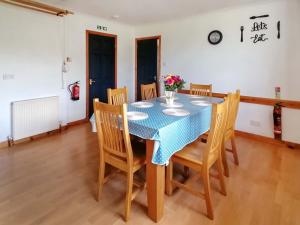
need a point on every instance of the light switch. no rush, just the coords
(7, 76)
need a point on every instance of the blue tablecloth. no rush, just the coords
(171, 133)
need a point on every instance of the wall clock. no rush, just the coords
(215, 37)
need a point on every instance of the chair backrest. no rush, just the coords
(233, 108)
(117, 96)
(112, 130)
(201, 89)
(216, 133)
(148, 91)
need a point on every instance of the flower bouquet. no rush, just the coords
(172, 83)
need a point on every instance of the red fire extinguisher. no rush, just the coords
(277, 121)
(74, 90)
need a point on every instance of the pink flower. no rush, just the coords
(176, 78)
(170, 81)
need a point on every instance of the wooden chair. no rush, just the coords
(117, 96)
(201, 157)
(233, 101)
(116, 149)
(148, 91)
(201, 89)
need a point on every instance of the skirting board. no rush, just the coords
(6, 144)
(267, 139)
(77, 122)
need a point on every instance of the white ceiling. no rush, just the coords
(137, 12)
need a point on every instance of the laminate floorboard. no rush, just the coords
(53, 180)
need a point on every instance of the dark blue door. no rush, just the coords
(146, 63)
(101, 67)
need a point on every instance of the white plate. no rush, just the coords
(164, 97)
(176, 112)
(133, 115)
(142, 104)
(197, 96)
(201, 103)
(174, 105)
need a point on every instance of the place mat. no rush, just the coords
(176, 112)
(174, 105)
(201, 103)
(142, 104)
(133, 115)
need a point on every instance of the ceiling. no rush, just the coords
(136, 12)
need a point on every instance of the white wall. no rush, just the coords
(291, 117)
(31, 49)
(253, 68)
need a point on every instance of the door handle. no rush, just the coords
(154, 78)
(92, 81)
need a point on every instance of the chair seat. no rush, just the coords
(192, 154)
(204, 137)
(139, 153)
(139, 157)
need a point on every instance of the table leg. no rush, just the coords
(155, 185)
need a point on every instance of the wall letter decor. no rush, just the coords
(242, 33)
(278, 29)
(256, 17)
(257, 28)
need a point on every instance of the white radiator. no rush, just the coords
(34, 116)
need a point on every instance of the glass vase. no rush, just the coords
(170, 96)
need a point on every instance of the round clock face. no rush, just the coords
(215, 37)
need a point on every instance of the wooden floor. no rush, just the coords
(53, 181)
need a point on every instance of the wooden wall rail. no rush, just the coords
(37, 6)
(258, 100)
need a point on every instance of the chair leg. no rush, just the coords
(234, 151)
(224, 160)
(207, 193)
(221, 177)
(128, 195)
(186, 172)
(169, 178)
(101, 178)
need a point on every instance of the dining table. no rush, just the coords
(166, 129)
